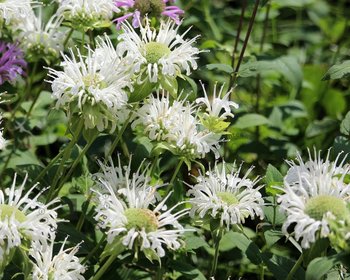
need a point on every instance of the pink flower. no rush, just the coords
(137, 9)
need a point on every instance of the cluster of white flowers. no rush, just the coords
(96, 89)
(134, 213)
(181, 127)
(157, 53)
(12, 11)
(226, 196)
(62, 266)
(314, 192)
(86, 13)
(39, 39)
(29, 224)
(23, 218)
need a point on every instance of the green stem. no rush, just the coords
(119, 136)
(238, 35)
(274, 212)
(75, 163)
(51, 163)
(93, 251)
(7, 162)
(154, 164)
(216, 254)
(295, 268)
(105, 266)
(83, 213)
(68, 36)
(245, 43)
(177, 169)
(66, 154)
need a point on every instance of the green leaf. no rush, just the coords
(273, 178)
(281, 266)
(227, 242)
(195, 242)
(189, 271)
(247, 246)
(250, 120)
(169, 84)
(338, 71)
(321, 127)
(287, 66)
(320, 266)
(220, 67)
(141, 91)
(272, 236)
(345, 125)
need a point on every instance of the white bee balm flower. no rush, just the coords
(133, 216)
(91, 88)
(24, 219)
(157, 53)
(314, 192)
(61, 266)
(226, 196)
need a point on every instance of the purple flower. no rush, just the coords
(136, 9)
(11, 62)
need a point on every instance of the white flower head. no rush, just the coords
(134, 216)
(13, 11)
(62, 266)
(219, 102)
(176, 123)
(96, 89)
(87, 13)
(154, 53)
(314, 192)
(24, 219)
(39, 39)
(226, 196)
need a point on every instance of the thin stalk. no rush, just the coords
(245, 43)
(75, 163)
(7, 162)
(119, 136)
(295, 268)
(177, 169)
(68, 37)
(154, 164)
(83, 213)
(66, 154)
(258, 78)
(216, 254)
(105, 266)
(238, 35)
(51, 163)
(274, 212)
(93, 251)
(32, 105)
(24, 96)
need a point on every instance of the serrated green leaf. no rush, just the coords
(338, 71)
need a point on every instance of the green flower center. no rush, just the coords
(141, 219)
(228, 198)
(150, 7)
(8, 210)
(155, 51)
(93, 80)
(317, 206)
